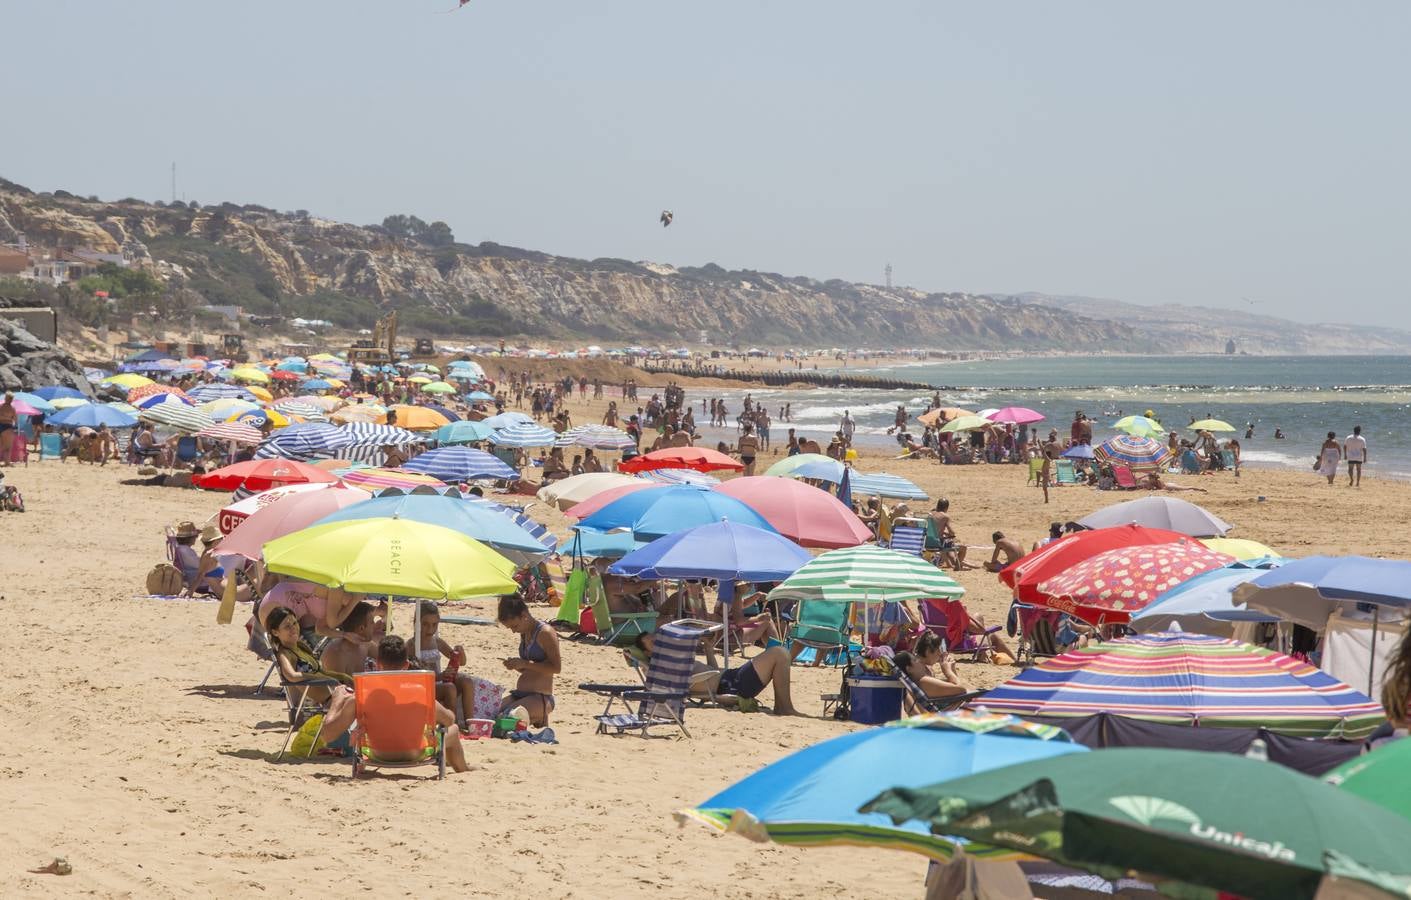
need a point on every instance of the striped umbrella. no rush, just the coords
(205, 393)
(523, 434)
(223, 409)
(681, 476)
(313, 440)
(1190, 679)
(291, 407)
(374, 477)
(596, 437)
(1133, 452)
(231, 431)
(176, 414)
(463, 433)
(365, 434)
(866, 574)
(1111, 585)
(881, 484)
(151, 390)
(359, 412)
(460, 464)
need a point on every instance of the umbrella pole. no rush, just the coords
(416, 628)
(1372, 657)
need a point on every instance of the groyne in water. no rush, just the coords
(828, 379)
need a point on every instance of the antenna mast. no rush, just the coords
(173, 182)
(889, 276)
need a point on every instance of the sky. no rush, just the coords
(1201, 153)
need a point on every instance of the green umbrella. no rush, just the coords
(866, 574)
(1139, 426)
(1382, 776)
(965, 423)
(789, 463)
(1208, 820)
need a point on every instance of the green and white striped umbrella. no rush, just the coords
(866, 574)
(175, 414)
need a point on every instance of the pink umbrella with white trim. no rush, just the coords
(287, 514)
(1016, 415)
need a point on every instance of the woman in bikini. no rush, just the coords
(537, 663)
(297, 660)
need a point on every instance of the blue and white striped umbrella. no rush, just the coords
(597, 437)
(523, 434)
(681, 476)
(506, 419)
(204, 393)
(299, 408)
(460, 464)
(303, 442)
(366, 434)
(881, 484)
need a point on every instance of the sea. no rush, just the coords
(1305, 397)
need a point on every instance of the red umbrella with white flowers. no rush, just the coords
(1112, 585)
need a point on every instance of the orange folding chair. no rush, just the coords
(396, 714)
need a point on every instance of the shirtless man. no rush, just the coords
(745, 681)
(8, 418)
(349, 653)
(1005, 547)
(952, 551)
(749, 449)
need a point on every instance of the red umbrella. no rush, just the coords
(263, 474)
(799, 511)
(585, 508)
(149, 390)
(282, 375)
(1054, 559)
(702, 459)
(1110, 586)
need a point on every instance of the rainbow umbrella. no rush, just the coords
(1190, 679)
(1133, 452)
(1110, 586)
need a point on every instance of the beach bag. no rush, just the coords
(164, 580)
(303, 743)
(486, 698)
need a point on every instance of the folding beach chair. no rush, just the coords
(1064, 473)
(1037, 638)
(51, 446)
(952, 621)
(301, 709)
(918, 701)
(1124, 478)
(396, 714)
(661, 701)
(638, 662)
(908, 536)
(822, 627)
(618, 629)
(1036, 469)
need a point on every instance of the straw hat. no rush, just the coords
(186, 530)
(210, 534)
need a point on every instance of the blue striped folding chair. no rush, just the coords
(662, 700)
(908, 536)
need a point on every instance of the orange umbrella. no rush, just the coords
(943, 414)
(418, 418)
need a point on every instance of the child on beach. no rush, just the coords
(455, 690)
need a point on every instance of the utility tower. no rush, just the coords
(173, 182)
(889, 276)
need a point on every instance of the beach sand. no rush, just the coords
(139, 752)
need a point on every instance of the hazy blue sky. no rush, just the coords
(1195, 152)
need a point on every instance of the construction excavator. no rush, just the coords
(381, 348)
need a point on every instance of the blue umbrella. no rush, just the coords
(725, 551)
(881, 484)
(460, 464)
(1308, 590)
(811, 797)
(471, 519)
(655, 512)
(92, 415)
(523, 434)
(463, 433)
(592, 543)
(303, 441)
(820, 470)
(59, 392)
(293, 365)
(1079, 451)
(479, 397)
(1203, 604)
(215, 390)
(315, 384)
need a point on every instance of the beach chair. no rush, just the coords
(951, 621)
(1064, 473)
(1190, 463)
(396, 714)
(919, 702)
(618, 629)
(51, 446)
(661, 699)
(187, 450)
(1228, 458)
(822, 627)
(1037, 639)
(638, 662)
(1124, 478)
(1036, 470)
(301, 709)
(908, 536)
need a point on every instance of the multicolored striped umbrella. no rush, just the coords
(232, 431)
(810, 798)
(1190, 679)
(372, 478)
(866, 574)
(1112, 585)
(1133, 452)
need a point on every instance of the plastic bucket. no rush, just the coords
(478, 729)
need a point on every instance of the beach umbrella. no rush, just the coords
(1015, 415)
(154, 399)
(506, 419)
(1139, 426)
(38, 403)
(275, 513)
(537, 530)
(231, 431)
(680, 476)
(91, 415)
(259, 393)
(233, 514)
(660, 511)
(313, 384)
(725, 551)
(224, 408)
(866, 574)
(788, 464)
(597, 501)
(302, 441)
(1379, 776)
(450, 415)
(292, 407)
(59, 392)
(578, 488)
(812, 517)
(126, 380)
(215, 390)
(419, 380)
(463, 433)
(252, 376)
(1241, 549)
(1133, 452)
(1079, 451)
(593, 544)
(701, 459)
(821, 469)
(367, 434)
(1023, 576)
(523, 434)
(1169, 513)
(256, 418)
(1203, 604)
(596, 437)
(474, 520)
(943, 414)
(417, 418)
(1251, 828)
(176, 414)
(1307, 591)
(284, 375)
(1211, 425)
(438, 387)
(374, 477)
(261, 475)
(460, 464)
(293, 365)
(881, 484)
(152, 390)
(1112, 585)
(810, 798)
(966, 423)
(392, 556)
(71, 402)
(22, 408)
(1190, 679)
(477, 396)
(370, 413)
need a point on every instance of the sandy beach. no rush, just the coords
(141, 754)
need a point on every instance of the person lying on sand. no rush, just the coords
(745, 681)
(1153, 482)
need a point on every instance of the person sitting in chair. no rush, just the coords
(917, 665)
(745, 681)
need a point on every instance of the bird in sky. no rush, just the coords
(666, 217)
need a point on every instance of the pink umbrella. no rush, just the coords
(231, 516)
(288, 513)
(586, 508)
(799, 511)
(1016, 415)
(24, 409)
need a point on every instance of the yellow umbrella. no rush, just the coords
(359, 413)
(965, 423)
(250, 375)
(1211, 425)
(128, 380)
(260, 392)
(225, 407)
(66, 402)
(943, 414)
(1240, 548)
(418, 418)
(334, 383)
(399, 557)
(419, 379)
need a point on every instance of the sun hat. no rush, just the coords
(186, 530)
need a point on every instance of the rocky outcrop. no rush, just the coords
(26, 362)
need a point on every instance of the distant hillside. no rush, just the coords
(1202, 329)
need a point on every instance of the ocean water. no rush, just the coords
(1304, 396)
